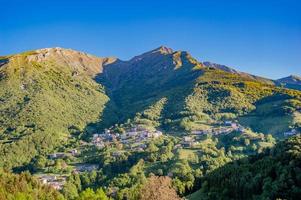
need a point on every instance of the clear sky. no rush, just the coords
(262, 37)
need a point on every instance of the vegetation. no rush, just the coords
(39, 102)
(176, 93)
(274, 174)
(23, 186)
(158, 188)
(57, 105)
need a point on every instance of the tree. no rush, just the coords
(152, 148)
(70, 191)
(39, 162)
(247, 142)
(158, 188)
(89, 194)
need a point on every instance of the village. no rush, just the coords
(132, 139)
(135, 139)
(223, 128)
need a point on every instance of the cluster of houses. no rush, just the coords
(228, 127)
(135, 136)
(83, 167)
(188, 142)
(55, 181)
(223, 128)
(57, 155)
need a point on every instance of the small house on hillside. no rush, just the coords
(187, 139)
(291, 132)
(57, 155)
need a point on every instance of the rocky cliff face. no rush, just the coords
(77, 60)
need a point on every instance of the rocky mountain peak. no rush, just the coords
(72, 58)
(292, 79)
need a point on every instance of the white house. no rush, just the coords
(291, 132)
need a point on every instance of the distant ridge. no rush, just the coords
(292, 79)
(292, 82)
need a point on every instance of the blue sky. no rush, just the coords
(259, 37)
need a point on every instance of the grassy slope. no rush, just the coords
(39, 101)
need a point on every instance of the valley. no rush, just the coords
(78, 122)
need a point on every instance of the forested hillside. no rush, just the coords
(44, 95)
(23, 186)
(274, 174)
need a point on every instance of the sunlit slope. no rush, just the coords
(43, 94)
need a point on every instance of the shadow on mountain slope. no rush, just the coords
(135, 85)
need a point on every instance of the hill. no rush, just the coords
(45, 95)
(292, 81)
(274, 174)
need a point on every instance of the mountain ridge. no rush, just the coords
(42, 54)
(57, 92)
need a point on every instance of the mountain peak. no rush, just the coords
(292, 79)
(296, 77)
(77, 60)
(163, 50)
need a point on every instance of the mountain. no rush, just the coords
(51, 96)
(45, 95)
(172, 90)
(292, 81)
(274, 174)
(233, 71)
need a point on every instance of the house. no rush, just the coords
(73, 152)
(187, 139)
(157, 134)
(132, 133)
(140, 128)
(117, 153)
(139, 149)
(86, 167)
(291, 132)
(187, 144)
(143, 146)
(57, 155)
(170, 174)
(197, 132)
(134, 129)
(56, 185)
(54, 181)
(177, 146)
(241, 129)
(234, 126)
(100, 145)
(47, 178)
(123, 136)
(228, 123)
